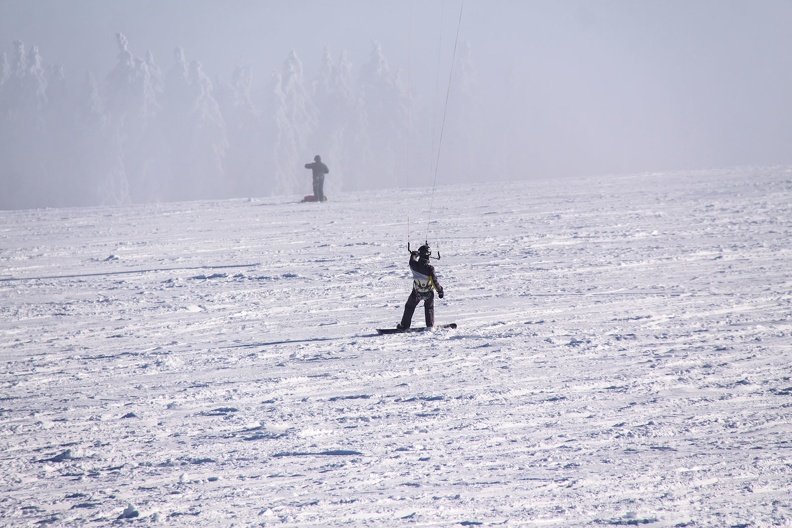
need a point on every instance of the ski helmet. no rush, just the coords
(425, 251)
(317, 158)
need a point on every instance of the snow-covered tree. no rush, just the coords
(22, 130)
(131, 93)
(290, 119)
(326, 102)
(328, 137)
(99, 163)
(177, 105)
(341, 134)
(155, 76)
(34, 80)
(66, 187)
(90, 108)
(195, 133)
(244, 160)
(132, 110)
(3, 68)
(462, 152)
(385, 101)
(209, 143)
(284, 156)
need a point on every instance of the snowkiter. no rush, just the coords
(424, 283)
(319, 170)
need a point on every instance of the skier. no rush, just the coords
(424, 282)
(319, 170)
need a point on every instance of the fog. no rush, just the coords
(121, 101)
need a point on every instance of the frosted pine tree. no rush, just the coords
(327, 137)
(132, 111)
(385, 101)
(341, 121)
(114, 187)
(462, 145)
(3, 69)
(326, 102)
(35, 81)
(283, 154)
(155, 79)
(98, 161)
(354, 139)
(177, 104)
(244, 162)
(23, 132)
(208, 141)
(150, 169)
(194, 129)
(11, 180)
(66, 185)
(290, 121)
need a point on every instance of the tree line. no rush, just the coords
(145, 134)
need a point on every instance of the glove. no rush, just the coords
(440, 294)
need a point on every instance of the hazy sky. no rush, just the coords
(592, 86)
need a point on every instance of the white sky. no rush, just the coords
(628, 85)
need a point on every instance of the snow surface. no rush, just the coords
(622, 358)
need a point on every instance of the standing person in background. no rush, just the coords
(319, 170)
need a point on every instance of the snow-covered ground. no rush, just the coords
(622, 358)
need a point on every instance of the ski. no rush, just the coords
(420, 329)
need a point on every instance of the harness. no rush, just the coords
(422, 284)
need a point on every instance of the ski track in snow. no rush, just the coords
(622, 358)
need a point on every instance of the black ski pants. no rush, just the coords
(318, 188)
(412, 302)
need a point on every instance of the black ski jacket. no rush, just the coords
(318, 167)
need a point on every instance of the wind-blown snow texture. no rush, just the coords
(622, 358)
